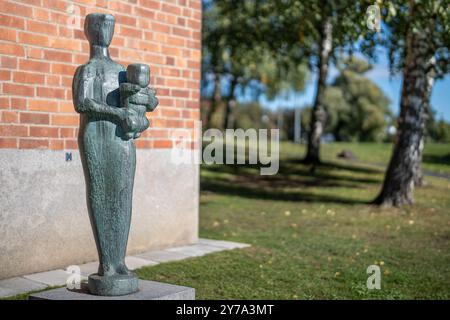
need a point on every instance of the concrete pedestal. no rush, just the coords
(148, 290)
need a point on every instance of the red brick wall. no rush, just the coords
(42, 43)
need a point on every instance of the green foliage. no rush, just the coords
(357, 108)
(235, 46)
(437, 130)
(252, 115)
(429, 17)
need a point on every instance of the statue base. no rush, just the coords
(115, 285)
(148, 290)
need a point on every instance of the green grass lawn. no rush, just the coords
(436, 156)
(313, 235)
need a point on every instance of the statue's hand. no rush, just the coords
(90, 105)
(146, 97)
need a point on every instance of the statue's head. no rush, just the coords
(139, 74)
(99, 28)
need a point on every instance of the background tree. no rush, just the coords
(316, 32)
(237, 53)
(417, 38)
(357, 108)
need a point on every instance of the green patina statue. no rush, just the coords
(112, 105)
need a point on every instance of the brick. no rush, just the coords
(19, 103)
(12, 49)
(171, 9)
(59, 56)
(11, 21)
(130, 32)
(18, 89)
(27, 77)
(66, 44)
(176, 41)
(9, 116)
(34, 39)
(66, 106)
(33, 143)
(7, 130)
(63, 69)
(5, 75)
(41, 14)
(70, 144)
(65, 32)
(67, 132)
(52, 80)
(8, 143)
(159, 27)
(120, 7)
(180, 93)
(144, 144)
(34, 53)
(16, 9)
(33, 65)
(43, 105)
(4, 103)
(142, 12)
(41, 27)
(163, 144)
(55, 144)
(152, 4)
(36, 118)
(8, 62)
(50, 92)
(8, 35)
(170, 113)
(65, 120)
(48, 132)
(181, 32)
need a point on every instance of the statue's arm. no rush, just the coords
(84, 104)
(129, 88)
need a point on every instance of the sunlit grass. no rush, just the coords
(313, 235)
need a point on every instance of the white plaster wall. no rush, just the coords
(44, 222)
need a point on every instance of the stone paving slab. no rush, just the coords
(163, 256)
(134, 263)
(18, 285)
(196, 250)
(223, 244)
(50, 278)
(41, 280)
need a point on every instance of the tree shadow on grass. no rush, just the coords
(274, 195)
(295, 174)
(246, 181)
(353, 167)
(437, 159)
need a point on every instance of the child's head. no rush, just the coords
(139, 74)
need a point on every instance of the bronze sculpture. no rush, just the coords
(106, 143)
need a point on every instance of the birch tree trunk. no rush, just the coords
(318, 114)
(400, 176)
(418, 177)
(217, 96)
(228, 119)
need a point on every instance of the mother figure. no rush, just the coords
(108, 156)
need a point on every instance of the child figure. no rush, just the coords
(138, 78)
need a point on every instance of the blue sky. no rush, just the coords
(440, 99)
